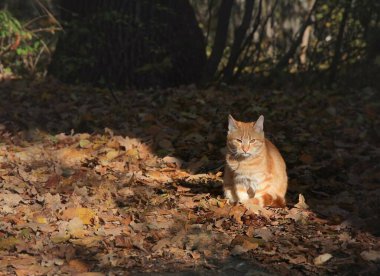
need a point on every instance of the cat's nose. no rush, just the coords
(245, 148)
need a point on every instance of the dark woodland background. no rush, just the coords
(169, 43)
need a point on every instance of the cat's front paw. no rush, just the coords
(230, 197)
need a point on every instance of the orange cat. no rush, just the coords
(255, 172)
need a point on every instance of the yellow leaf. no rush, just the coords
(60, 237)
(40, 219)
(84, 143)
(112, 154)
(133, 153)
(88, 241)
(86, 215)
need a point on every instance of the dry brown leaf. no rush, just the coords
(87, 242)
(123, 241)
(90, 274)
(166, 144)
(182, 189)
(161, 244)
(112, 154)
(245, 247)
(78, 265)
(158, 176)
(371, 255)
(263, 233)
(8, 243)
(301, 202)
(75, 228)
(321, 259)
(306, 158)
(170, 160)
(300, 259)
(126, 192)
(71, 157)
(237, 212)
(11, 200)
(297, 214)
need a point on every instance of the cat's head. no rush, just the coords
(245, 140)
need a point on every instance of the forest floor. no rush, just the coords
(93, 185)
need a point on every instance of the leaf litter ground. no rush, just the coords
(92, 185)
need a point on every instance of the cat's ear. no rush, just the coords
(259, 125)
(232, 124)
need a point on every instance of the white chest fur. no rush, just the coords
(251, 180)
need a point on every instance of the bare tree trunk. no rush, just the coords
(219, 41)
(339, 41)
(305, 40)
(240, 34)
(283, 62)
(134, 43)
(248, 55)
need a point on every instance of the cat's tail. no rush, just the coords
(266, 199)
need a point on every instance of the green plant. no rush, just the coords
(24, 47)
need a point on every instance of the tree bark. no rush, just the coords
(339, 42)
(283, 62)
(240, 34)
(134, 43)
(219, 41)
(305, 40)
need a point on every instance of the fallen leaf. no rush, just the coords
(87, 242)
(158, 176)
(306, 158)
(300, 259)
(123, 242)
(371, 255)
(321, 259)
(8, 243)
(237, 212)
(170, 160)
(296, 214)
(126, 192)
(263, 233)
(85, 143)
(60, 237)
(75, 228)
(112, 154)
(10, 199)
(90, 274)
(301, 202)
(71, 157)
(161, 244)
(85, 214)
(245, 247)
(78, 265)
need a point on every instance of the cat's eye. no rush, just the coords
(252, 141)
(239, 140)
